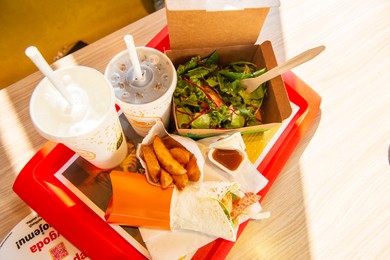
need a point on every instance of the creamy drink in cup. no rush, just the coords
(144, 80)
(86, 121)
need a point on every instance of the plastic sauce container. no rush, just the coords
(229, 161)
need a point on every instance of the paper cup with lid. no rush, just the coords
(147, 99)
(90, 126)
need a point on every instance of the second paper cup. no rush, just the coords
(143, 102)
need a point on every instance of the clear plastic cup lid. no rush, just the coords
(156, 80)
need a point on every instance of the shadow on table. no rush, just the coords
(286, 232)
(10, 160)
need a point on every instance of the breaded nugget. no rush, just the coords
(181, 155)
(241, 204)
(165, 179)
(170, 143)
(193, 170)
(152, 163)
(180, 181)
(166, 159)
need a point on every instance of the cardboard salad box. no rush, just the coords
(233, 34)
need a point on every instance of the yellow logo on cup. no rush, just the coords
(88, 155)
(144, 124)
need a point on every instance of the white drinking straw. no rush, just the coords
(133, 57)
(36, 57)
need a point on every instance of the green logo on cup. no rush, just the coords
(119, 141)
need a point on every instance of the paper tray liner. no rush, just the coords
(137, 203)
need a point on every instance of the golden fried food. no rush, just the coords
(166, 159)
(165, 179)
(171, 143)
(193, 170)
(180, 181)
(130, 163)
(181, 155)
(152, 163)
(242, 203)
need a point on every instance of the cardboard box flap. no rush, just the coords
(201, 24)
(277, 96)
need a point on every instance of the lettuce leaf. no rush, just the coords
(197, 108)
(201, 122)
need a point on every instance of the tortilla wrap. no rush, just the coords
(197, 208)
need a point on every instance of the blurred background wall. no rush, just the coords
(55, 26)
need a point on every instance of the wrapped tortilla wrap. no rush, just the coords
(198, 207)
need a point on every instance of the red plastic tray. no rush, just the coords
(53, 201)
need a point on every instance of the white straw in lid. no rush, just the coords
(36, 57)
(133, 57)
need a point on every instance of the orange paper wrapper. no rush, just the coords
(137, 203)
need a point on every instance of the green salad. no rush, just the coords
(210, 96)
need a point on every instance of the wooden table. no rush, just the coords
(332, 199)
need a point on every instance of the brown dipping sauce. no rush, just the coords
(231, 159)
